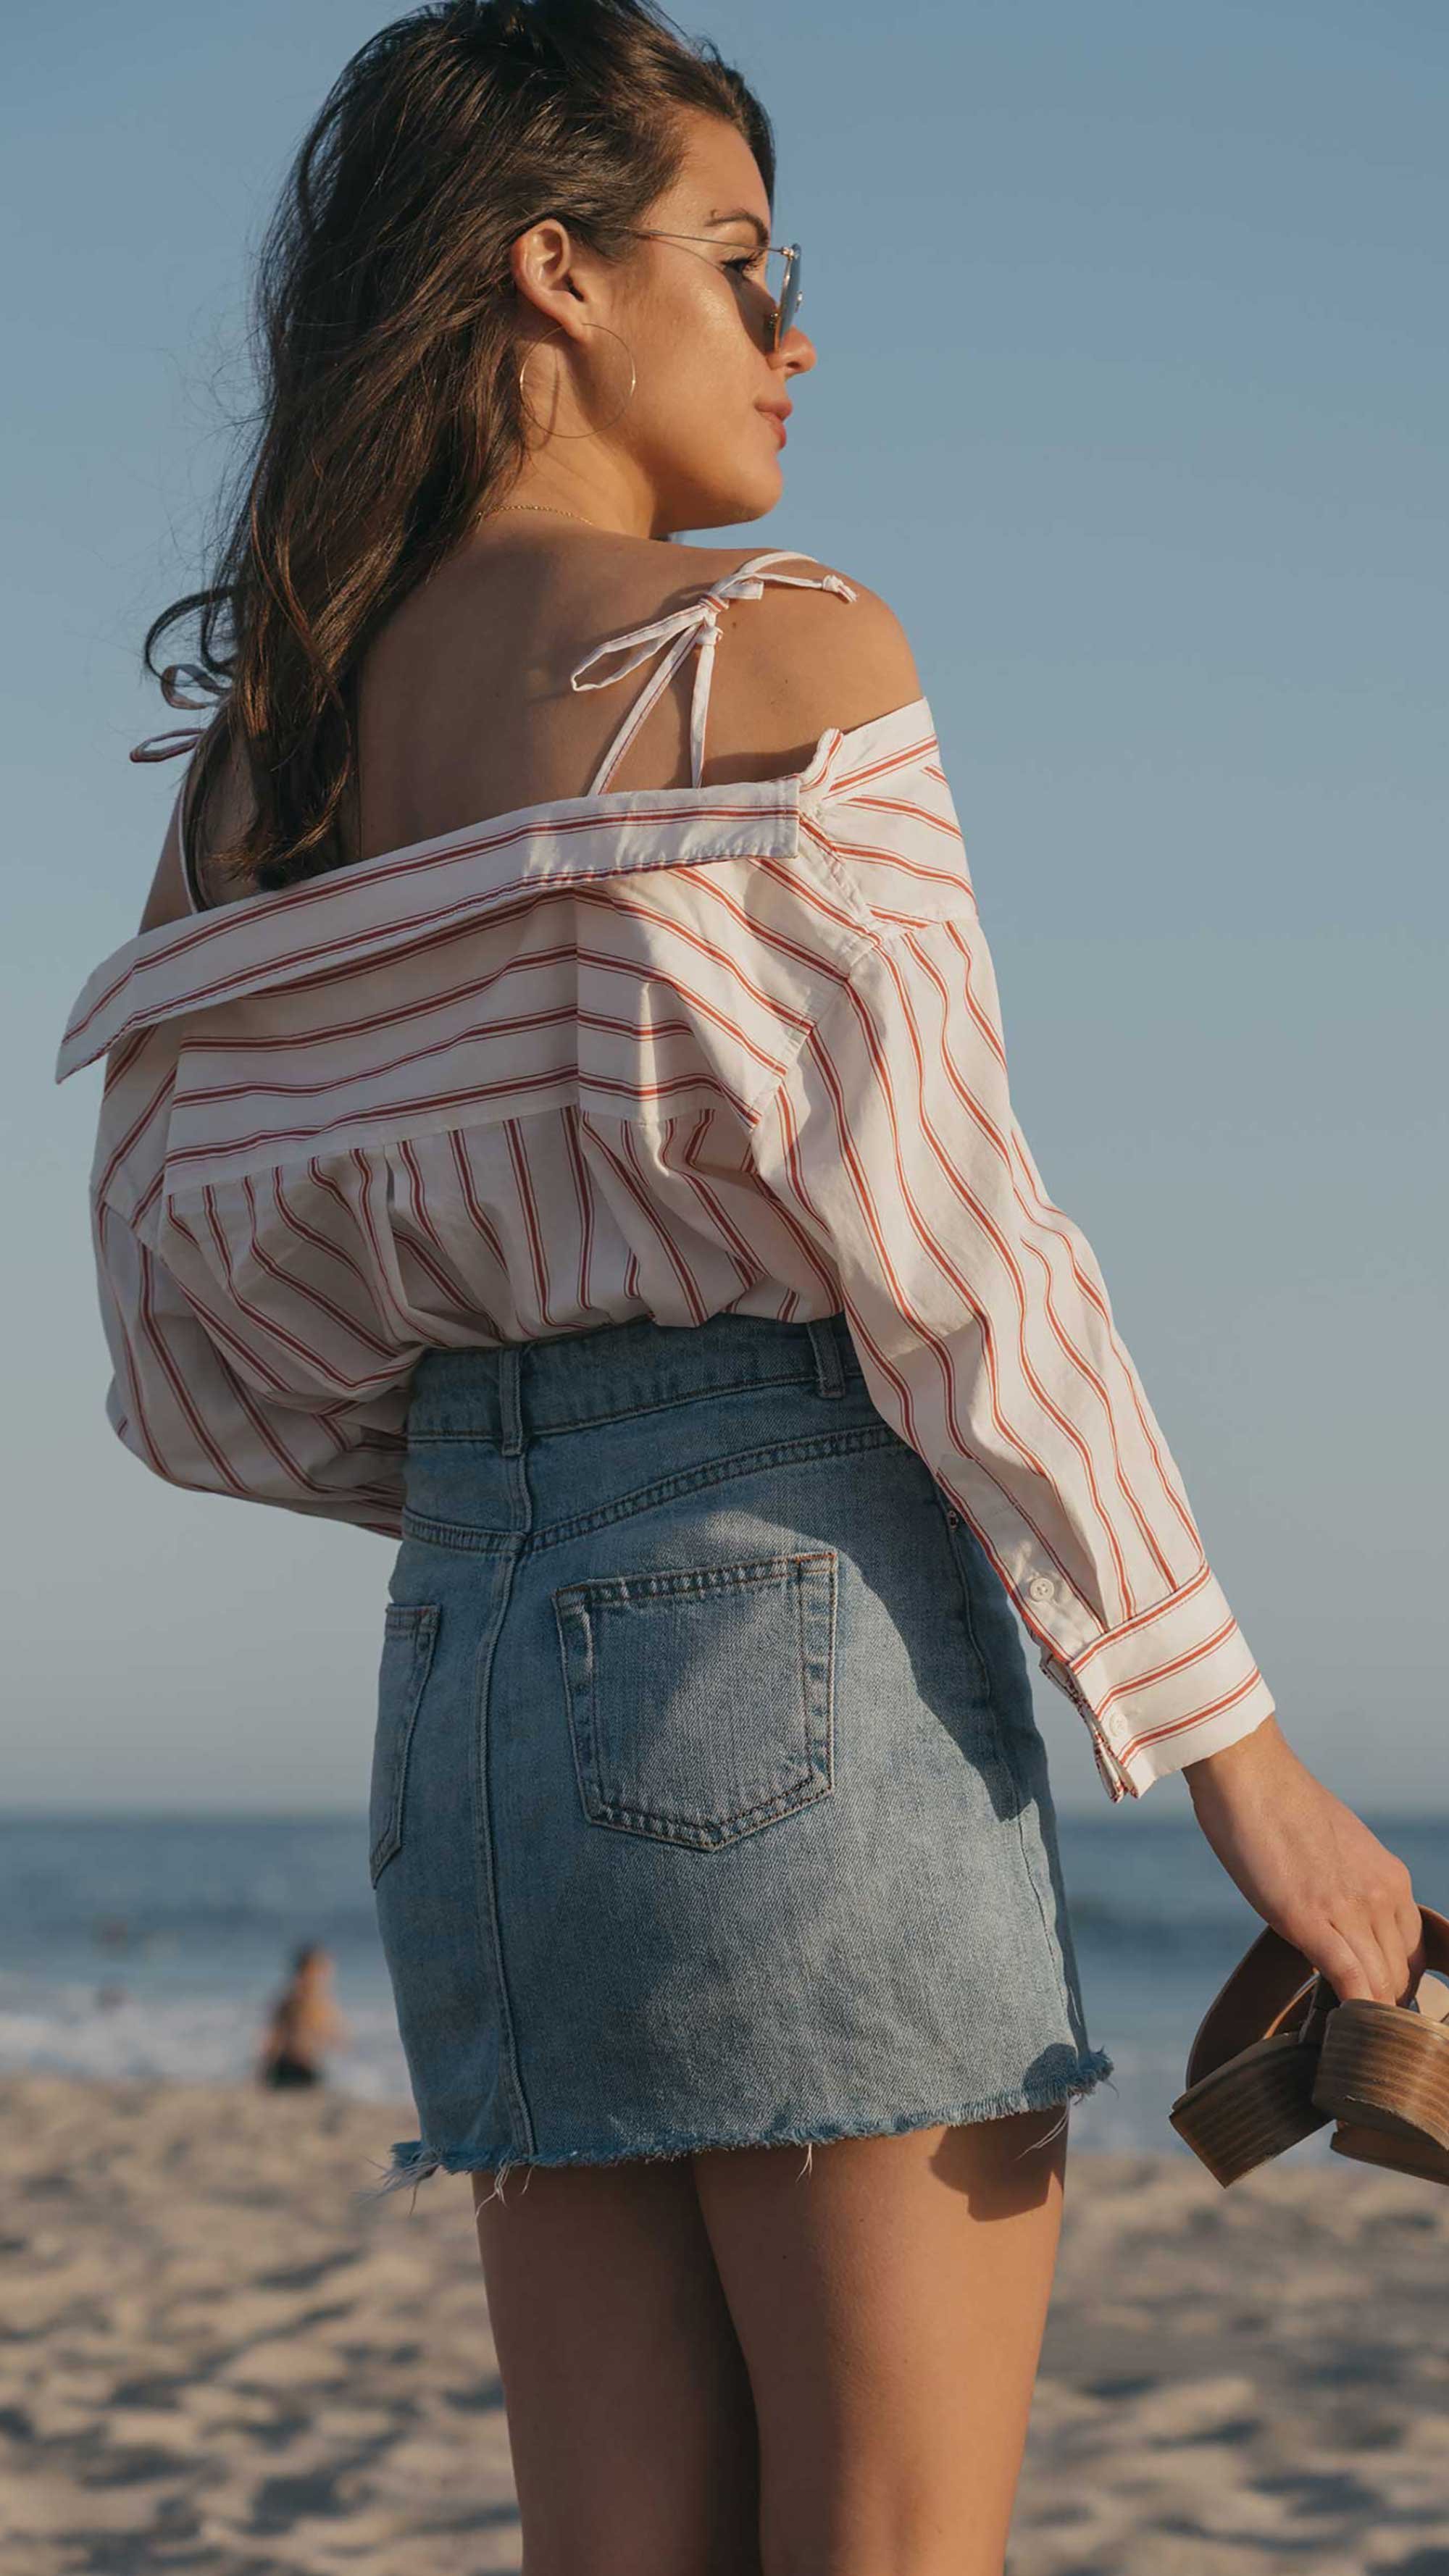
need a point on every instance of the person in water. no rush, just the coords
(305, 2023)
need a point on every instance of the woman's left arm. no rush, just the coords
(168, 899)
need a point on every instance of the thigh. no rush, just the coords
(630, 2418)
(890, 2296)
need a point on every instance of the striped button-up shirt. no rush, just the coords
(670, 1052)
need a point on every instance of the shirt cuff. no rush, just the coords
(1165, 1688)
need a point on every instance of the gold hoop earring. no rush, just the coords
(596, 431)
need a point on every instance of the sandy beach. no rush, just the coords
(217, 2357)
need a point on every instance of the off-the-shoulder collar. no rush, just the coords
(266, 941)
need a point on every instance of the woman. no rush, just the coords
(304, 2023)
(580, 1148)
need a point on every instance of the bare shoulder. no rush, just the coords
(507, 622)
(796, 661)
(818, 656)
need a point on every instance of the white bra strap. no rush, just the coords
(697, 623)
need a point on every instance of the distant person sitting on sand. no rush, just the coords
(305, 2023)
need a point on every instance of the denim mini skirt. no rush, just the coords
(708, 1807)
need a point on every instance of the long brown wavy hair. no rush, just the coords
(385, 317)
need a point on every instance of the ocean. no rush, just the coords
(150, 1946)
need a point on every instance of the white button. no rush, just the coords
(1041, 1588)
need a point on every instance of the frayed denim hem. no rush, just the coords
(412, 2161)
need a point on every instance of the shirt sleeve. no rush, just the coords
(196, 1406)
(985, 1334)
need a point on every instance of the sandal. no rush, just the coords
(1252, 2064)
(1383, 2071)
(1273, 2061)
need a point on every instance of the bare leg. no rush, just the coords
(890, 2302)
(630, 2418)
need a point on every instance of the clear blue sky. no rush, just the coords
(1131, 399)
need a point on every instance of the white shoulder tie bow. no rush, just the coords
(695, 624)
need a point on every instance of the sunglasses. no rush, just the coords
(782, 274)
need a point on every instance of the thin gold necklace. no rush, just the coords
(549, 510)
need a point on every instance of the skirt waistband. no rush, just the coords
(507, 1395)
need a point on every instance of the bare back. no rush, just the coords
(465, 708)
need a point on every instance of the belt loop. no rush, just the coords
(829, 1374)
(510, 1407)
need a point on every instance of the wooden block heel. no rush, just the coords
(1250, 2070)
(1383, 2070)
(1250, 2109)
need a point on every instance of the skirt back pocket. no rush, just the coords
(701, 1702)
(409, 1635)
